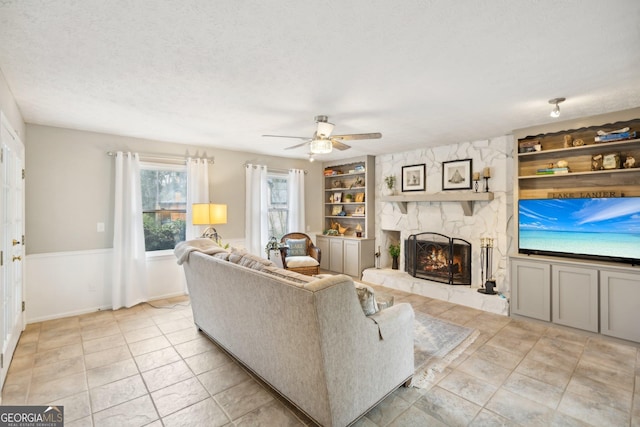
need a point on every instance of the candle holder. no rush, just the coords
(475, 184)
(486, 184)
(486, 260)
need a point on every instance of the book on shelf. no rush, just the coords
(551, 171)
(615, 136)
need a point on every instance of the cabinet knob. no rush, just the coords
(15, 242)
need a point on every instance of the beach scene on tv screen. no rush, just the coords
(608, 227)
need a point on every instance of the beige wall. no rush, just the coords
(10, 109)
(69, 186)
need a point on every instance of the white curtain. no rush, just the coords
(129, 260)
(256, 226)
(296, 201)
(197, 192)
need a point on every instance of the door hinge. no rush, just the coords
(1, 155)
(22, 173)
(23, 240)
(1, 258)
(2, 361)
(24, 305)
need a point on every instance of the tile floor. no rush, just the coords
(150, 366)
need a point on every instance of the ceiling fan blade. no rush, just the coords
(339, 145)
(354, 136)
(298, 145)
(285, 136)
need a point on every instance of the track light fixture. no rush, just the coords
(555, 112)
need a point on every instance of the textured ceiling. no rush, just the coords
(222, 73)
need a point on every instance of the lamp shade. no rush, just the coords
(320, 146)
(209, 214)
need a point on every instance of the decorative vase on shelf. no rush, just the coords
(394, 263)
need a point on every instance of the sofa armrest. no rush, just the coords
(392, 319)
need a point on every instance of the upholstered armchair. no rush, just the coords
(299, 254)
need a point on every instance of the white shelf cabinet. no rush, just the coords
(346, 255)
(597, 297)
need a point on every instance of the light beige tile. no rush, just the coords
(149, 345)
(196, 346)
(619, 356)
(178, 396)
(620, 377)
(602, 393)
(137, 412)
(486, 371)
(82, 422)
(223, 378)
(204, 413)
(50, 391)
(176, 325)
(387, 410)
(553, 375)
(183, 335)
(207, 361)
(414, 417)
(519, 409)
(468, 387)
(498, 355)
(447, 407)
(131, 323)
(16, 388)
(486, 418)
(25, 348)
(106, 357)
(533, 389)
(22, 363)
(58, 339)
(59, 369)
(57, 354)
(104, 343)
(272, 413)
(76, 406)
(167, 375)
(100, 331)
(157, 358)
(110, 373)
(117, 392)
(242, 398)
(142, 334)
(592, 412)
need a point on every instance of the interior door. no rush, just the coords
(12, 223)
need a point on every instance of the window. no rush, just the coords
(164, 203)
(278, 203)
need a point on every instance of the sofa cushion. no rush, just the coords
(289, 275)
(254, 262)
(367, 298)
(301, 261)
(297, 247)
(222, 255)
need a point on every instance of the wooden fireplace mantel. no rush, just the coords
(465, 199)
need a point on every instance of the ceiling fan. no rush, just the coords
(323, 142)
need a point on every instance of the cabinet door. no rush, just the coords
(574, 297)
(531, 289)
(620, 305)
(352, 258)
(323, 244)
(335, 255)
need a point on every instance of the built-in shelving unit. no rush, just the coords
(583, 294)
(465, 199)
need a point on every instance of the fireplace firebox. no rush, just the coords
(434, 256)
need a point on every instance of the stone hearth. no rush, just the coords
(462, 295)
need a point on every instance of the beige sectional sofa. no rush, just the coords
(306, 337)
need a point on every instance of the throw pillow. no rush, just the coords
(254, 262)
(297, 247)
(367, 299)
(288, 275)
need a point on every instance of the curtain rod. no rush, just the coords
(246, 165)
(165, 157)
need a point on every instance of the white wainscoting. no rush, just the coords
(65, 284)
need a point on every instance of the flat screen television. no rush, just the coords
(606, 229)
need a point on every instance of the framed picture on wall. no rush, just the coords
(456, 174)
(413, 178)
(337, 197)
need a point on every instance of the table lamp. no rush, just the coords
(209, 214)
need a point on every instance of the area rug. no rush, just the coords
(437, 343)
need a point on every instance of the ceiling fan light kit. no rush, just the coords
(322, 142)
(555, 112)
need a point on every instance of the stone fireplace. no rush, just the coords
(437, 257)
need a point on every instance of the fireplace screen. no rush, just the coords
(437, 257)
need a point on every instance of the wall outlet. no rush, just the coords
(100, 227)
